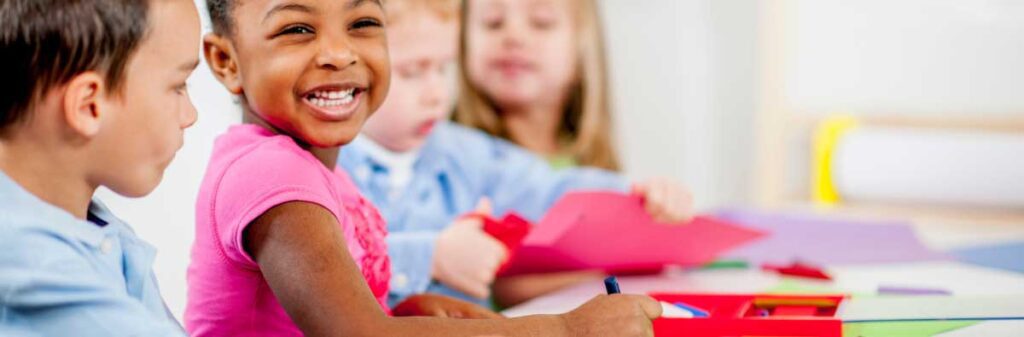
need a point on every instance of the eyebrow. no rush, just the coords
(356, 3)
(289, 7)
(306, 9)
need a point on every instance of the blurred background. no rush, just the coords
(912, 108)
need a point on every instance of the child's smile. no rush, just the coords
(314, 70)
(334, 102)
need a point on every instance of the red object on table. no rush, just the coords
(754, 315)
(798, 269)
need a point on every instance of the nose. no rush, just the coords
(437, 91)
(335, 53)
(188, 115)
(512, 34)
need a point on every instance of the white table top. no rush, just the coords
(958, 278)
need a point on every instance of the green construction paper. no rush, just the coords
(902, 329)
(801, 287)
(726, 264)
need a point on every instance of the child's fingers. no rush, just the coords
(495, 255)
(484, 206)
(461, 309)
(654, 202)
(482, 291)
(435, 311)
(487, 270)
(481, 276)
(500, 249)
(479, 312)
(687, 204)
(676, 209)
(475, 289)
(667, 202)
(684, 202)
(638, 188)
(472, 219)
(651, 308)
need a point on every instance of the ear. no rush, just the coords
(83, 104)
(222, 60)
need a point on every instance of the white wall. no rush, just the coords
(660, 58)
(683, 75)
(908, 56)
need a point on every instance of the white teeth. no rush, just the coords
(334, 94)
(332, 98)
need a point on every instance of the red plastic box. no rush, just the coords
(754, 315)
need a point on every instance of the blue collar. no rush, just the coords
(430, 154)
(15, 199)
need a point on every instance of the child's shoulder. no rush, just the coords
(456, 134)
(32, 233)
(249, 140)
(250, 164)
(17, 223)
(460, 141)
(256, 152)
(22, 213)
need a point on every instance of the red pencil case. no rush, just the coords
(753, 315)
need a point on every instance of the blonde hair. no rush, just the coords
(444, 9)
(586, 122)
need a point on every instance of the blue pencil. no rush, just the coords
(611, 285)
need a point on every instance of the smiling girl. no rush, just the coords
(285, 244)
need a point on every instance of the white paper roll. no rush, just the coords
(930, 166)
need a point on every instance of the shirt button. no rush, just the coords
(106, 245)
(401, 281)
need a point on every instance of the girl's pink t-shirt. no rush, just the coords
(252, 170)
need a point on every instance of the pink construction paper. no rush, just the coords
(613, 232)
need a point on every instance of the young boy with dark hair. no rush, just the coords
(94, 95)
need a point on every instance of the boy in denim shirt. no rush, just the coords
(93, 95)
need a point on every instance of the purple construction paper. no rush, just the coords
(827, 241)
(898, 290)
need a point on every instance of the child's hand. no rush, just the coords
(665, 200)
(614, 315)
(467, 258)
(441, 306)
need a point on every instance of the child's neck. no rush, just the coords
(47, 173)
(535, 128)
(328, 156)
